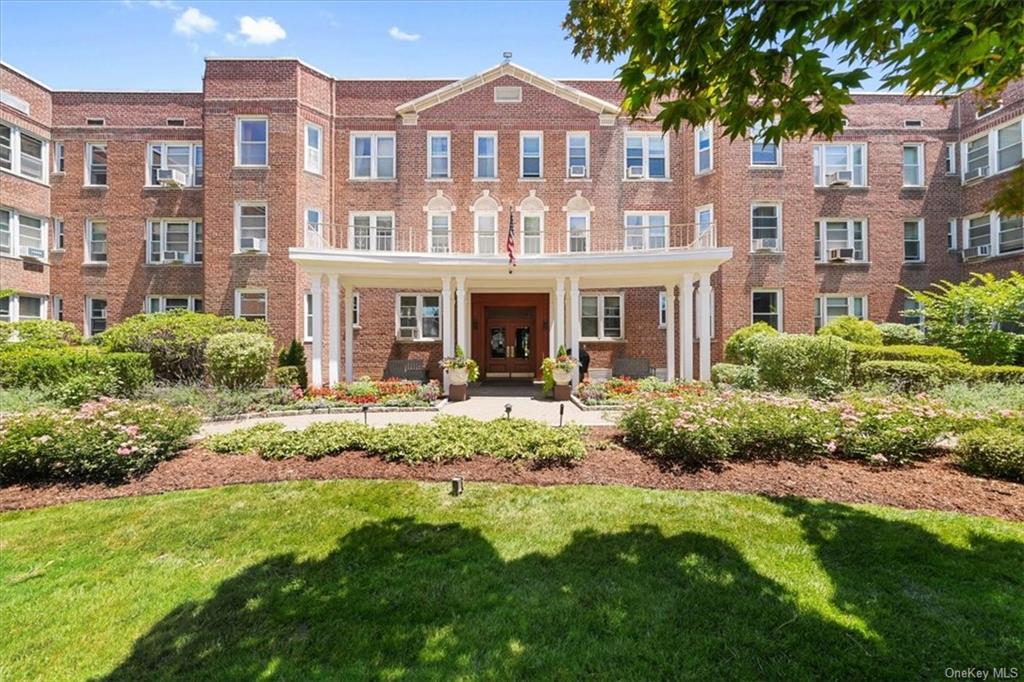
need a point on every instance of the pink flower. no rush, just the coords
(124, 451)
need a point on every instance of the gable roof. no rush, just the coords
(566, 92)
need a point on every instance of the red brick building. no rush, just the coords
(370, 218)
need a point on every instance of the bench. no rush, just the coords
(631, 368)
(412, 370)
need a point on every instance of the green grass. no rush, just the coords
(350, 580)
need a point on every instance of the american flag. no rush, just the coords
(510, 243)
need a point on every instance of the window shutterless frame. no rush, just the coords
(774, 299)
(96, 235)
(96, 165)
(252, 141)
(24, 154)
(760, 223)
(491, 159)
(531, 155)
(254, 300)
(439, 155)
(853, 304)
(598, 306)
(647, 150)
(913, 164)
(253, 223)
(703, 149)
(577, 153)
(913, 240)
(854, 159)
(313, 157)
(411, 321)
(158, 157)
(373, 155)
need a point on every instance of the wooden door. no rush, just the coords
(511, 345)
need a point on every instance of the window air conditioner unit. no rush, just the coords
(635, 172)
(766, 244)
(977, 173)
(843, 178)
(843, 255)
(175, 256)
(171, 177)
(982, 251)
(577, 171)
(253, 244)
(32, 253)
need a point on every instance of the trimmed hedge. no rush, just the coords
(238, 360)
(739, 350)
(38, 334)
(816, 364)
(41, 367)
(860, 354)
(896, 334)
(905, 375)
(995, 452)
(1003, 374)
(854, 330)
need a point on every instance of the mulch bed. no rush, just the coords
(934, 484)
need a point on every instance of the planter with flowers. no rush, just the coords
(557, 372)
(461, 370)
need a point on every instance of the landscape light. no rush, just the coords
(561, 413)
(508, 410)
(456, 486)
(366, 413)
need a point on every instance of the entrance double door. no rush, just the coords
(511, 344)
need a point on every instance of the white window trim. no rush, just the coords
(57, 225)
(645, 229)
(251, 290)
(710, 129)
(820, 307)
(921, 165)
(15, 168)
(850, 166)
(849, 236)
(431, 135)
(430, 230)
(318, 167)
(307, 316)
(979, 114)
(778, 301)
(586, 136)
(88, 163)
(58, 158)
(88, 318)
(523, 215)
(710, 208)
(238, 225)
(14, 307)
(952, 234)
(373, 215)
(995, 220)
(950, 159)
(477, 134)
(646, 142)
(920, 240)
(419, 316)
(375, 136)
(663, 309)
(162, 302)
(778, 155)
(57, 307)
(523, 134)
(163, 160)
(568, 231)
(238, 141)
(778, 224)
(476, 231)
(601, 295)
(992, 136)
(88, 243)
(14, 225)
(193, 223)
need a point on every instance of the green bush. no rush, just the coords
(860, 354)
(983, 397)
(896, 334)
(737, 376)
(816, 364)
(898, 429)
(220, 402)
(994, 452)
(904, 375)
(854, 330)
(1003, 374)
(738, 350)
(34, 368)
(38, 334)
(107, 440)
(81, 388)
(238, 360)
(286, 376)
(175, 341)
(294, 356)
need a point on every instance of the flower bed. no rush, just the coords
(623, 391)
(389, 393)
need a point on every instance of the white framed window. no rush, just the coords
(646, 156)
(251, 226)
(251, 304)
(950, 158)
(913, 240)
(57, 307)
(645, 230)
(314, 156)
(95, 316)
(766, 306)
(999, 234)
(439, 155)
(766, 226)
(764, 154)
(184, 157)
(439, 231)
(163, 304)
(252, 141)
(832, 235)
(703, 149)
(578, 232)
(577, 154)
(96, 164)
(23, 308)
(1008, 145)
(978, 231)
(986, 108)
(951, 230)
(840, 165)
(23, 154)
(1011, 234)
(997, 150)
(174, 240)
(831, 306)
(58, 157)
(912, 313)
(662, 309)
(531, 155)
(976, 163)
(601, 316)
(96, 241)
(372, 231)
(314, 221)
(23, 235)
(58, 234)
(913, 165)
(307, 317)
(703, 220)
(486, 231)
(531, 240)
(418, 316)
(485, 155)
(372, 156)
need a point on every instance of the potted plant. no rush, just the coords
(558, 370)
(461, 369)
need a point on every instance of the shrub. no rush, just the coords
(737, 348)
(854, 330)
(42, 367)
(38, 334)
(286, 376)
(592, 392)
(82, 388)
(107, 440)
(903, 375)
(294, 356)
(175, 341)
(238, 360)
(898, 429)
(995, 452)
(1004, 374)
(429, 392)
(896, 334)
(737, 376)
(860, 354)
(816, 364)
(985, 397)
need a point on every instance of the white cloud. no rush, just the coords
(192, 21)
(399, 34)
(163, 4)
(262, 31)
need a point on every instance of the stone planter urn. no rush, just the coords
(458, 376)
(561, 377)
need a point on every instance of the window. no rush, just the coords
(912, 313)
(251, 304)
(1011, 234)
(840, 164)
(913, 240)
(58, 157)
(176, 122)
(96, 239)
(763, 153)
(21, 308)
(486, 151)
(577, 154)
(418, 316)
(307, 316)
(22, 153)
(439, 232)
(486, 233)
(6, 147)
(1008, 146)
(95, 122)
(828, 308)
(766, 306)
(58, 308)
(96, 164)
(578, 225)
(96, 316)
(978, 231)
(662, 309)
(976, 155)
(986, 108)
(438, 155)
(508, 94)
(373, 156)
(250, 227)
(174, 241)
(22, 236)
(372, 231)
(646, 231)
(951, 234)
(601, 316)
(531, 155)
(703, 156)
(314, 158)
(832, 234)
(163, 304)
(532, 233)
(913, 123)
(58, 234)
(646, 156)
(950, 158)
(314, 220)
(913, 162)
(251, 142)
(765, 227)
(184, 157)
(704, 220)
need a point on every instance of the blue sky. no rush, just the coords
(161, 44)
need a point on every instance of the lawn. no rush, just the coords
(349, 580)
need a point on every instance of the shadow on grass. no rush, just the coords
(402, 599)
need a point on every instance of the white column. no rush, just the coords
(349, 325)
(560, 314)
(574, 325)
(461, 309)
(447, 324)
(334, 331)
(704, 292)
(670, 330)
(552, 341)
(317, 291)
(686, 325)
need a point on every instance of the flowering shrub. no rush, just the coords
(366, 391)
(106, 440)
(620, 390)
(737, 376)
(896, 428)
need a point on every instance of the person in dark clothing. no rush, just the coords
(584, 362)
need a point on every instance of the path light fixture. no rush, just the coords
(508, 410)
(366, 415)
(561, 413)
(456, 486)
